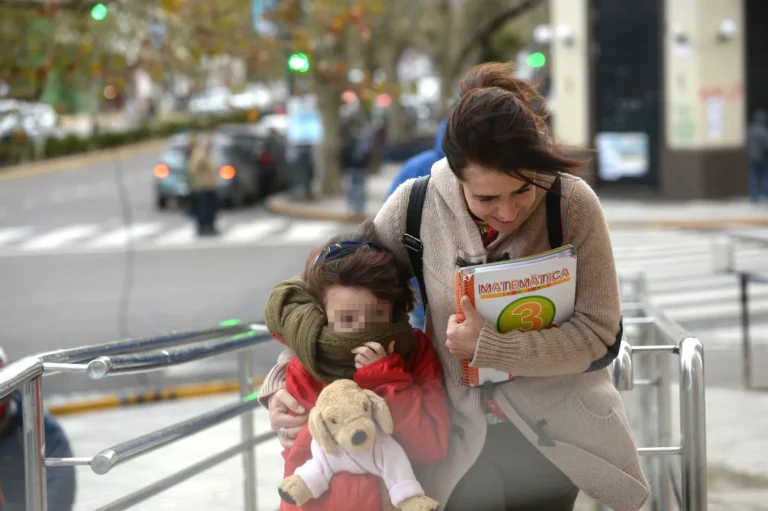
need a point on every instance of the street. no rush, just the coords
(66, 264)
(79, 269)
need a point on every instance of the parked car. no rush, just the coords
(250, 167)
(265, 145)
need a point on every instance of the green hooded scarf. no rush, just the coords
(293, 314)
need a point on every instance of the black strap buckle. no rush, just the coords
(412, 243)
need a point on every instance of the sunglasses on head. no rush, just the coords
(341, 249)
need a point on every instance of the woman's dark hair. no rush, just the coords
(373, 268)
(494, 125)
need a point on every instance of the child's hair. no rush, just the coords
(371, 267)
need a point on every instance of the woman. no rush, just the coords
(530, 443)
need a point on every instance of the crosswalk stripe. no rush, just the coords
(731, 335)
(730, 294)
(59, 237)
(308, 232)
(11, 234)
(123, 235)
(687, 312)
(178, 236)
(253, 231)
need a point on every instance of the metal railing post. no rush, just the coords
(663, 435)
(746, 348)
(245, 375)
(34, 445)
(693, 428)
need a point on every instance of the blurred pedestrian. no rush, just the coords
(60, 481)
(203, 179)
(356, 154)
(757, 153)
(299, 159)
(417, 166)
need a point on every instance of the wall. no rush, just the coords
(704, 98)
(570, 78)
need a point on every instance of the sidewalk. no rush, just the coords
(621, 212)
(737, 446)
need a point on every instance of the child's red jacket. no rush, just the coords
(415, 393)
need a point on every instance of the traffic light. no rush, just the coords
(99, 12)
(298, 62)
(536, 59)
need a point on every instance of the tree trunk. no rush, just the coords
(446, 90)
(329, 158)
(397, 119)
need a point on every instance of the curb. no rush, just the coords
(134, 398)
(693, 225)
(285, 207)
(65, 163)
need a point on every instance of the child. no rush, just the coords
(347, 317)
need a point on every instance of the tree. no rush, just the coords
(455, 33)
(392, 35)
(40, 40)
(336, 36)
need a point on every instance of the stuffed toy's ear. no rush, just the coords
(320, 433)
(380, 411)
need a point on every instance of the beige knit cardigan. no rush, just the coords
(575, 418)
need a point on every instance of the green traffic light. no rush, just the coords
(537, 59)
(99, 12)
(298, 62)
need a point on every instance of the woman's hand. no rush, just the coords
(462, 337)
(287, 426)
(370, 352)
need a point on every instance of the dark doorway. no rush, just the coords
(626, 80)
(756, 65)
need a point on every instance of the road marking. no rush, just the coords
(10, 234)
(253, 231)
(59, 237)
(179, 236)
(123, 235)
(308, 232)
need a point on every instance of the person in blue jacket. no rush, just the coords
(417, 166)
(60, 481)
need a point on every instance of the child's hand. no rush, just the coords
(370, 353)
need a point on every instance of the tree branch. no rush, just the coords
(484, 32)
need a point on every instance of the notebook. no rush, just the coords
(530, 293)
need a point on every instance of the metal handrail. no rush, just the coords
(723, 259)
(140, 355)
(133, 345)
(121, 364)
(108, 458)
(692, 448)
(16, 373)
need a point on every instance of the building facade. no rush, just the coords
(661, 90)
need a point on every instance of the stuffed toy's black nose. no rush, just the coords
(359, 437)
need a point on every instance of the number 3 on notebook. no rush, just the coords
(529, 313)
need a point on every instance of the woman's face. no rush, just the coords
(350, 309)
(497, 198)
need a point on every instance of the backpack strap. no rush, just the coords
(554, 218)
(411, 238)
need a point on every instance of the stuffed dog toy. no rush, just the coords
(351, 431)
